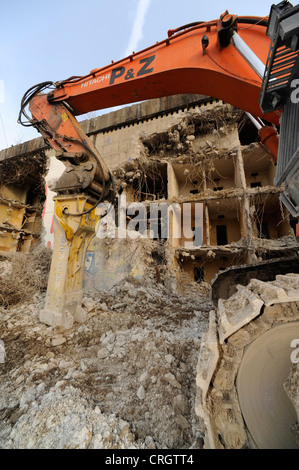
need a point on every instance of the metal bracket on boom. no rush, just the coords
(278, 76)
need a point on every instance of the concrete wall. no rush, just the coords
(108, 262)
(22, 197)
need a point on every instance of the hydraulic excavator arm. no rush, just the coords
(224, 58)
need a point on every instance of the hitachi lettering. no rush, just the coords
(95, 80)
(129, 73)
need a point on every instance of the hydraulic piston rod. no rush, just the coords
(251, 58)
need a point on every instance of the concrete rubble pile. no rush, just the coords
(123, 379)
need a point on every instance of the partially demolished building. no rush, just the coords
(182, 150)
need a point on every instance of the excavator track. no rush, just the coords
(247, 374)
(224, 284)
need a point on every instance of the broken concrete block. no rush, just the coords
(182, 421)
(290, 284)
(2, 352)
(269, 293)
(237, 311)
(58, 340)
(51, 318)
(141, 393)
(208, 357)
(227, 425)
(169, 358)
(102, 353)
(287, 281)
(225, 376)
(172, 380)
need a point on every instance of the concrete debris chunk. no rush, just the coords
(141, 393)
(170, 378)
(268, 293)
(2, 352)
(58, 340)
(102, 353)
(290, 283)
(208, 358)
(237, 311)
(169, 358)
(182, 422)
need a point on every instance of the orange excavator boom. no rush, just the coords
(204, 57)
(190, 61)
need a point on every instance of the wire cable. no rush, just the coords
(252, 21)
(28, 96)
(229, 71)
(33, 91)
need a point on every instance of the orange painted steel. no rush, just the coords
(269, 139)
(176, 65)
(188, 61)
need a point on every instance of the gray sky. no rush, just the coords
(54, 40)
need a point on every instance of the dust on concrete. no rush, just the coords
(123, 379)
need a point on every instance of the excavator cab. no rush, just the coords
(280, 90)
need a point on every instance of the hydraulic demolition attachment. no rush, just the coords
(73, 232)
(85, 183)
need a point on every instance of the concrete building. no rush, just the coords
(189, 152)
